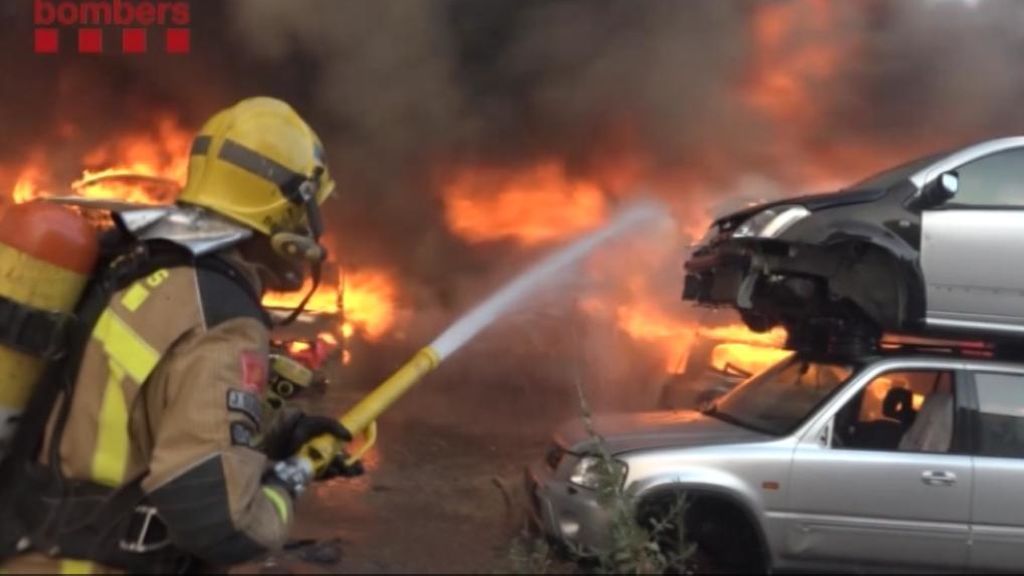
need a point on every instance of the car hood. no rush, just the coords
(812, 202)
(645, 430)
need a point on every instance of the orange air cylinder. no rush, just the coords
(47, 253)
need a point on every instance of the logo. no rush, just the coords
(254, 372)
(113, 26)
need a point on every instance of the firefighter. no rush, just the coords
(149, 448)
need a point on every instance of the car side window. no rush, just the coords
(1000, 428)
(910, 411)
(995, 180)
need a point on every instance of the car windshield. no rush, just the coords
(883, 180)
(776, 401)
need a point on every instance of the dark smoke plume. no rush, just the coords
(400, 88)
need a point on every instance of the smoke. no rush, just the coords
(710, 103)
(402, 90)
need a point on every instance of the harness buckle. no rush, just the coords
(140, 524)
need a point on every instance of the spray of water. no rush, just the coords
(634, 215)
(362, 415)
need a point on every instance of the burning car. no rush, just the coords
(926, 247)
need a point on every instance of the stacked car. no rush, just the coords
(929, 247)
(892, 438)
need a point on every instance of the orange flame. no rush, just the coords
(31, 180)
(366, 299)
(146, 167)
(531, 206)
(749, 358)
(739, 333)
(370, 297)
(645, 322)
(324, 301)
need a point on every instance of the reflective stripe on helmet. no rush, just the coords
(259, 165)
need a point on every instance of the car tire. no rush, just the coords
(725, 541)
(718, 535)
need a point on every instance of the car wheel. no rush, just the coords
(724, 540)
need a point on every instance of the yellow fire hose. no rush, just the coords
(363, 416)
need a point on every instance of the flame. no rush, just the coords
(370, 297)
(532, 206)
(365, 298)
(30, 182)
(645, 322)
(315, 353)
(739, 333)
(147, 166)
(324, 301)
(748, 358)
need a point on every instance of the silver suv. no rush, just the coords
(902, 460)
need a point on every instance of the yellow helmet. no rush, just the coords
(259, 164)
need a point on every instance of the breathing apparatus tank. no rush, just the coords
(47, 253)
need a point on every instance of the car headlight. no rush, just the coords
(771, 222)
(595, 472)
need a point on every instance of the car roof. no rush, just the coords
(950, 362)
(964, 155)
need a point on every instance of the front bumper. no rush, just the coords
(566, 514)
(744, 272)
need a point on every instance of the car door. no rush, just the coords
(997, 515)
(871, 504)
(970, 247)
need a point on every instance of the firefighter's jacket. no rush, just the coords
(169, 390)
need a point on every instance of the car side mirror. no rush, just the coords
(940, 190)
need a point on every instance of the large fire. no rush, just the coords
(531, 206)
(149, 166)
(798, 48)
(542, 204)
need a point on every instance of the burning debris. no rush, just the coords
(361, 303)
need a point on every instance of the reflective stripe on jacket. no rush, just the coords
(170, 388)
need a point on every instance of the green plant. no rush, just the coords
(530, 555)
(634, 548)
(652, 541)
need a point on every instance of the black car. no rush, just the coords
(931, 246)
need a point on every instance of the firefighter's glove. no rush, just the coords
(294, 428)
(339, 467)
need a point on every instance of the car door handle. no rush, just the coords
(938, 478)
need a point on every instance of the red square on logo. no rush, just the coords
(47, 41)
(90, 40)
(178, 41)
(133, 40)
